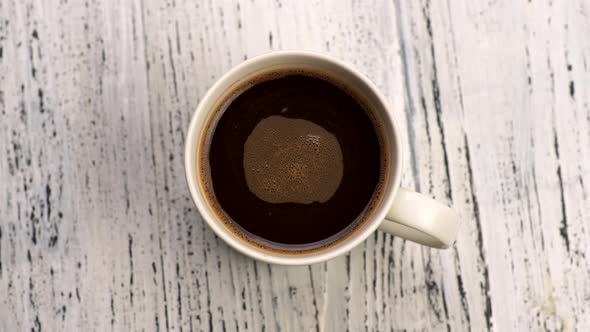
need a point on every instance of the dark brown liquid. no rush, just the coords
(294, 160)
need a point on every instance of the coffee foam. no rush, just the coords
(292, 161)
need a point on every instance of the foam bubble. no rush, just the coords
(292, 161)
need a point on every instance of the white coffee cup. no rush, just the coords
(399, 211)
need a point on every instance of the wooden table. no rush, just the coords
(98, 232)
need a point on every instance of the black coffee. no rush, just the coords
(293, 160)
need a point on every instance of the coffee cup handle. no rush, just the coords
(420, 219)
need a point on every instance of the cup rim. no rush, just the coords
(190, 156)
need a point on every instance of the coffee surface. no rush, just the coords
(294, 160)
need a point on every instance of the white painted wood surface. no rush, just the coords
(97, 230)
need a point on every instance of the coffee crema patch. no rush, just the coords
(293, 160)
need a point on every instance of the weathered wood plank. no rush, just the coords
(97, 229)
(492, 92)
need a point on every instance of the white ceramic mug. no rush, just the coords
(400, 212)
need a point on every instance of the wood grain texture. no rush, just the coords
(98, 232)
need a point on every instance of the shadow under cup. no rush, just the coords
(204, 124)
